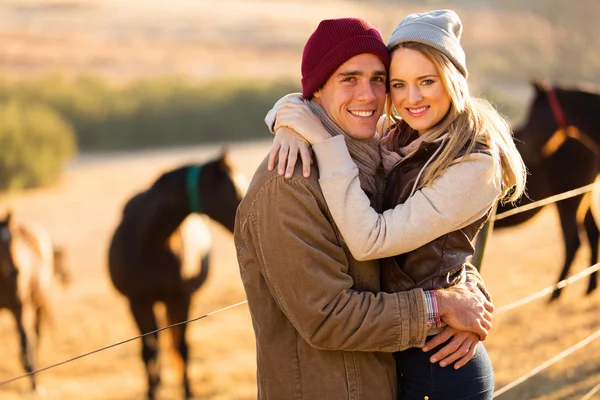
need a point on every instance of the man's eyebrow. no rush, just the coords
(351, 73)
(361, 73)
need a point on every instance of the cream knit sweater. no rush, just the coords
(462, 195)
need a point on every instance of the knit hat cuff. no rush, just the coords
(433, 36)
(338, 55)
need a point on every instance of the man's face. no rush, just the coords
(354, 95)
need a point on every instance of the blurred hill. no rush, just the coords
(507, 41)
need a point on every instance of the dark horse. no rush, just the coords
(560, 144)
(26, 272)
(146, 255)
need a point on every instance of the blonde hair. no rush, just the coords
(469, 120)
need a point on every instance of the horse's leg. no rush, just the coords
(144, 317)
(27, 352)
(567, 211)
(593, 235)
(177, 311)
(37, 323)
(42, 315)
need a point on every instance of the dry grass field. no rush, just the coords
(81, 211)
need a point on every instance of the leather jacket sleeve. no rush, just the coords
(474, 276)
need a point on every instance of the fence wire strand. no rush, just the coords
(548, 290)
(592, 392)
(548, 363)
(120, 343)
(548, 200)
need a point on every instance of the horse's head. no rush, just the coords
(221, 189)
(8, 270)
(555, 107)
(214, 188)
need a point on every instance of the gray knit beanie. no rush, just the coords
(440, 29)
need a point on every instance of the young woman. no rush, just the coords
(448, 157)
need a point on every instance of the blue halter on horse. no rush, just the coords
(193, 190)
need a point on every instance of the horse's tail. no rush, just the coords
(193, 283)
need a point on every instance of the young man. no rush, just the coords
(323, 329)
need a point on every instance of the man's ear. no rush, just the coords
(317, 95)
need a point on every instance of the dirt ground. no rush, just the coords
(83, 209)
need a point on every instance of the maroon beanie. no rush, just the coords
(333, 43)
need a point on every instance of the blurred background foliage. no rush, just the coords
(35, 142)
(76, 78)
(46, 119)
(152, 112)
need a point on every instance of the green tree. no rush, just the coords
(35, 144)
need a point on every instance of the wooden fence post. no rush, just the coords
(482, 239)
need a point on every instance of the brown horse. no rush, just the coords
(560, 144)
(157, 240)
(26, 272)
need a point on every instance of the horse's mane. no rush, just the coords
(168, 176)
(144, 198)
(24, 231)
(222, 160)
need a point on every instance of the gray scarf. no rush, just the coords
(365, 154)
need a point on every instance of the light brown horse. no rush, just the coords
(26, 271)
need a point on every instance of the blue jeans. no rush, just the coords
(417, 377)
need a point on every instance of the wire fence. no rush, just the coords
(550, 289)
(548, 363)
(548, 200)
(37, 371)
(500, 310)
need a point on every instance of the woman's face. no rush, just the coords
(417, 91)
